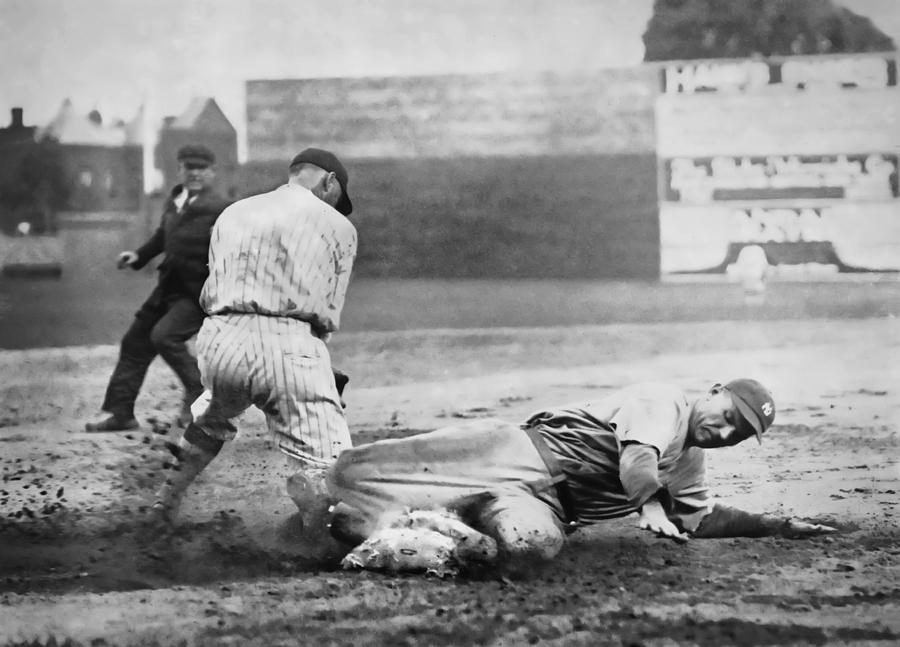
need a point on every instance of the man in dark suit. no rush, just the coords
(172, 314)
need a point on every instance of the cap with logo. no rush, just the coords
(754, 402)
(328, 161)
(196, 154)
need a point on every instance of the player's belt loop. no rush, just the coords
(557, 476)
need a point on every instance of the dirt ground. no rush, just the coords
(77, 567)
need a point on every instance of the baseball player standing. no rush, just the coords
(640, 450)
(279, 265)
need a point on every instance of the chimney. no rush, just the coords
(16, 118)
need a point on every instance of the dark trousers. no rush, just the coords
(161, 327)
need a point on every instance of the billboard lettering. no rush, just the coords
(688, 78)
(774, 177)
(782, 225)
(849, 237)
(862, 71)
(867, 73)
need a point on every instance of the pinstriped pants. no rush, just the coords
(278, 365)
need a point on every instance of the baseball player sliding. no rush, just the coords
(519, 489)
(279, 266)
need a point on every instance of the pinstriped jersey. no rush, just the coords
(587, 440)
(285, 253)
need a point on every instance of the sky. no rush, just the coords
(116, 55)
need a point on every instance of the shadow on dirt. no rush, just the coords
(60, 556)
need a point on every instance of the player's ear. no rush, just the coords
(333, 189)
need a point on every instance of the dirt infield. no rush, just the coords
(77, 567)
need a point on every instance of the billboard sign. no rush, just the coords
(798, 157)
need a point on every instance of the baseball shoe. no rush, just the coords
(190, 460)
(308, 529)
(347, 525)
(112, 423)
(308, 492)
(295, 535)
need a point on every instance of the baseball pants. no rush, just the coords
(488, 470)
(281, 367)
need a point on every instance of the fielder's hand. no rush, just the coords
(795, 528)
(126, 259)
(653, 518)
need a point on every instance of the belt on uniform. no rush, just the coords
(557, 476)
(314, 326)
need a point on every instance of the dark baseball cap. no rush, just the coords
(328, 161)
(196, 154)
(754, 402)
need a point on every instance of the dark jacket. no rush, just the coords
(184, 238)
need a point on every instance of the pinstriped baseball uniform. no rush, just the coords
(279, 267)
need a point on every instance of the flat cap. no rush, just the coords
(196, 154)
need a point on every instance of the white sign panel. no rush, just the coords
(709, 239)
(794, 158)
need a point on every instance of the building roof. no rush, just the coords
(69, 127)
(202, 113)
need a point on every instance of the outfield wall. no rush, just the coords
(572, 216)
(496, 175)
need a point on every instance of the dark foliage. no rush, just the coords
(692, 29)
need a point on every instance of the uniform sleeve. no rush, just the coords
(688, 495)
(639, 473)
(723, 521)
(345, 253)
(647, 420)
(347, 256)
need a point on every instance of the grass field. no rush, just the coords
(44, 313)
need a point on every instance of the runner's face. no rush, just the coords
(716, 422)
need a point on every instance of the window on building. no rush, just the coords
(85, 177)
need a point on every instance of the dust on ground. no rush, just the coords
(78, 565)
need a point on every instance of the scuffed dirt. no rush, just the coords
(79, 565)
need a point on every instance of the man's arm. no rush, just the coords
(151, 248)
(723, 521)
(639, 474)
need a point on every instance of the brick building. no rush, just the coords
(203, 122)
(94, 167)
(103, 163)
